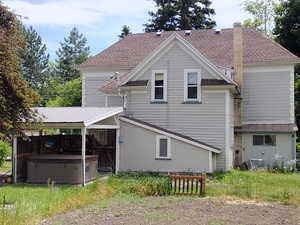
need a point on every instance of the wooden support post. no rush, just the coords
(83, 137)
(14, 158)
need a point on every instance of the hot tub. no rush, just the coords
(62, 169)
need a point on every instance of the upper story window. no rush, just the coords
(266, 140)
(159, 85)
(192, 85)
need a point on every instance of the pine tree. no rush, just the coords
(72, 52)
(181, 15)
(34, 60)
(125, 31)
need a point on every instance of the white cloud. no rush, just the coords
(228, 12)
(77, 12)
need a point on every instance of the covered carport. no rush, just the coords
(84, 118)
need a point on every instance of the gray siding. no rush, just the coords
(266, 96)
(92, 82)
(92, 94)
(114, 101)
(284, 148)
(204, 122)
(137, 153)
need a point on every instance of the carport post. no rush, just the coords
(83, 136)
(14, 158)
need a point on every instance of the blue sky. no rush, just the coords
(101, 20)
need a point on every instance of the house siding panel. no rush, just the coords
(266, 96)
(138, 153)
(92, 82)
(204, 122)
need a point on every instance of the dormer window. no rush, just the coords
(192, 85)
(159, 86)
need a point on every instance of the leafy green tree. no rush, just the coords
(287, 25)
(5, 151)
(180, 15)
(263, 12)
(68, 94)
(35, 60)
(72, 52)
(287, 33)
(15, 96)
(125, 31)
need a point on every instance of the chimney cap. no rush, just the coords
(187, 32)
(237, 24)
(158, 33)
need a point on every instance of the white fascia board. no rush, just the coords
(90, 122)
(170, 135)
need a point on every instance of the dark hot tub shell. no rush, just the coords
(62, 169)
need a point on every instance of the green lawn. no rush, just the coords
(259, 185)
(35, 203)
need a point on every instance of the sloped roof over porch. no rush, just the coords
(74, 117)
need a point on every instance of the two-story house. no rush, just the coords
(200, 100)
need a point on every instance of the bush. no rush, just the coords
(5, 151)
(134, 174)
(148, 186)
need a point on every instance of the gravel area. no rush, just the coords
(178, 211)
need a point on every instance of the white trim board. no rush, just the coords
(171, 135)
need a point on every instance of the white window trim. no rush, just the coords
(186, 71)
(158, 137)
(165, 86)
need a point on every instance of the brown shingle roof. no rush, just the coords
(130, 51)
(267, 128)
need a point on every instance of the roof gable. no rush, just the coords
(175, 40)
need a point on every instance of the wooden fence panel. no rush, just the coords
(188, 185)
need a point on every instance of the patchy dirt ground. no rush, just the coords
(178, 211)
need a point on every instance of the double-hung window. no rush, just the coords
(163, 147)
(159, 85)
(192, 85)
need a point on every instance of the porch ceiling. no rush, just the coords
(74, 117)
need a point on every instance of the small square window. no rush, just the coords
(258, 140)
(266, 140)
(163, 150)
(270, 140)
(163, 147)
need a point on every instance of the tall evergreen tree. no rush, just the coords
(125, 31)
(35, 60)
(72, 52)
(181, 15)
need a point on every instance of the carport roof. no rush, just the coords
(82, 116)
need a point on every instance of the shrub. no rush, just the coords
(136, 174)
(5, 150)
(148, 186)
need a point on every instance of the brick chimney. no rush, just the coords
(238, 77)
(238, 53)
